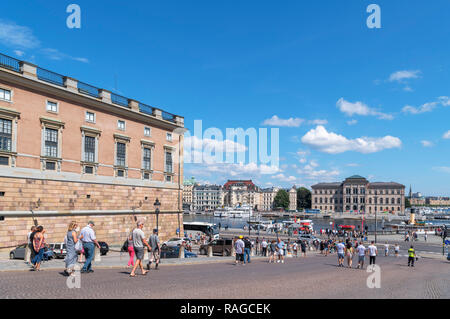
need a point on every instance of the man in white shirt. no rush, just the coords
(340, 247)
(88, 239)
(264, 247)
(373, 251)
(361, 255)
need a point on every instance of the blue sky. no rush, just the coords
(372, 102)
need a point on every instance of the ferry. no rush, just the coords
(244, 211)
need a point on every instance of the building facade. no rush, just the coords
(241, 192)
(207, 197)
(72, 151)
(357, 194)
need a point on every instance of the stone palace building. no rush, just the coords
(73, 151)
(357, 194)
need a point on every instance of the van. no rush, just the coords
(221, 246)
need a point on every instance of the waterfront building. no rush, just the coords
(357, 194)
(73, 151)
(207, 197)
(292, 198)
(267, 197)
(437, 201)
(241, 192)
(188, 188)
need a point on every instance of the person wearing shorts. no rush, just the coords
(239, 246)
(138, 243)
(280, 253)
(361, 250)
(340, 247)
(396, 250)
(272, 251)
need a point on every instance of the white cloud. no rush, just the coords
(352, 165)
(359, 108)
(283, 178)
(444, 169)
(19, 53)
(426, 143)
(352, 122)
(14, 35)
(332, 143)
(55, 54)
(445, 100)
(318, 122)
(290, 122)
(446, 135)
(427, 107)
(399, 76)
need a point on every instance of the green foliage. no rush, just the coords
(281, 199)
(303, 198)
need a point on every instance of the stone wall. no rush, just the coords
(68, 201)
(112, 229)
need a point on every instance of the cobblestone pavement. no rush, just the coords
(312, 277)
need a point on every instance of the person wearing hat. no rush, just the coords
(89, 242)
(154, 243)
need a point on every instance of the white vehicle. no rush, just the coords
(175, 242)
(208, 229)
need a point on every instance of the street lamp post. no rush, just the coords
(157, 204)
(376, 205)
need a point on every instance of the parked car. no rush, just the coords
(308, 237)
(174, 252)
(104, 248)
(59, 249)
(220, 247)
(19, 253)
(175, 242)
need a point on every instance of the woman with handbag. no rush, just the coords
(38, 246)
(73, 244)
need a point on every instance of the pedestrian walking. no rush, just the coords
(396, 249)
(264, 247)
(373, 252)
(239, 246)
(303, 247)
(71, 249)
(89, 241)
(130, 250)
(272, 251)
(340, 247)
(156, 249)
(247, 250)
(280, 247)
(138, 244)
(361, 250)
(349, 253)
(294, 248)
(38, 246)
(322, 247)
(411, 256)
(326, 247)
(386, 249)
(425, 236)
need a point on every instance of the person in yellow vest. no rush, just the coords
(411, 256)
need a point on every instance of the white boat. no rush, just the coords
(244, 211)
(222, 212)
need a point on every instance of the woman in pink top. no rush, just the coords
(130, 250)
(38, 246)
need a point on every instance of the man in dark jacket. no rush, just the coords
(247, 249)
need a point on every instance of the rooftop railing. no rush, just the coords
(49, 76)
(16, 65)
(88, 89)
(168, 116)
(147, 109)
(10, 63)
(120, 100)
